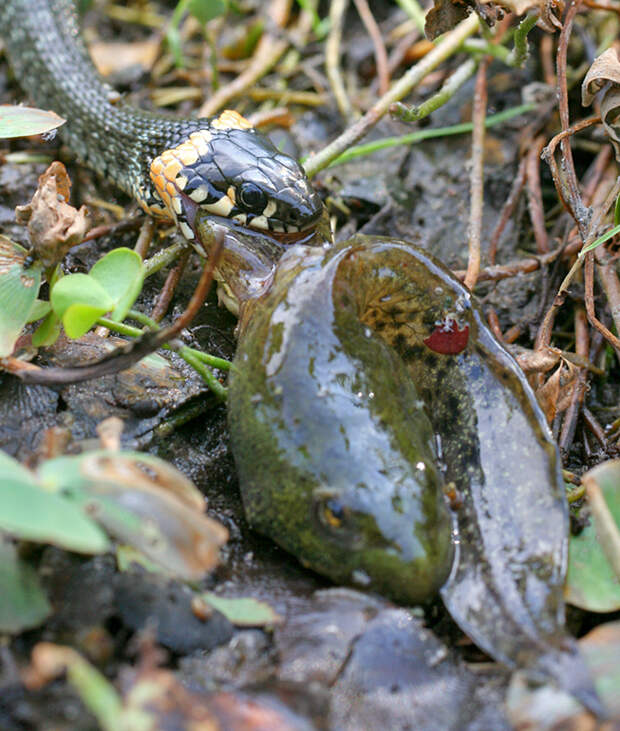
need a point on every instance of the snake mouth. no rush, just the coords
(286, 236)
(292, 237)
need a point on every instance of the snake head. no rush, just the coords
(227, 169)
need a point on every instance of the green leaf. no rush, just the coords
(33, 514)
(39, 310)
(23, 603)
(26, 121)
(121, 274)
(79, 319)
(48, 331)
(601, 240)
(206, 10)
(11, 468)
(79, 289)
(18, 291)
(591, 581)
(243, 612)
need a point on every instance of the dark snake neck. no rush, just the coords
(52, 64)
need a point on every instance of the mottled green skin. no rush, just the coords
(313, 419)
(339, 324)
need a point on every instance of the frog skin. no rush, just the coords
(344, 475)
(365, 385)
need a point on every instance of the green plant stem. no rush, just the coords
(212, 360)
(163, 258)
(601, 240)
(518, 55)
(96, 692)
(195, 358)
(411, 114)
(425, 134)
(479, 46)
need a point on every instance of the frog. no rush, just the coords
(367, 391)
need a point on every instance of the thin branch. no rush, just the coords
(337, 11)
(381, 58)
(477, 175)
(579, 211)
(534, 195)
(507, 210)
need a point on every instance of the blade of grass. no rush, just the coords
(426, 134)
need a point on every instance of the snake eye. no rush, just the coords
(252, 198)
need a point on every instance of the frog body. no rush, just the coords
(365, 386)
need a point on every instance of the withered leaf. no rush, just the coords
(53, 225)
(144, 502)
(443, 16)
(604, 75)
(555, 394)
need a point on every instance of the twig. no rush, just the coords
(337, 11)
(548, 155)
(546, 59)
(428, 134)
(477, 175)
(443, 50)
(534, 195)
(507, 210)
(595, 428)
(498, 272)
(579, 211)
(170, 285)
(145, 237)
(513, 333)
(381, 59)
(414, 11)
(589, 300)
(582, 347)
(163, 258)
(493, 321)
(110, 229)
(607, 7)
(480, 47)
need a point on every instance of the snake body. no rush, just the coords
(172, 167)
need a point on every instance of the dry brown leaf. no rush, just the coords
(174, 530)
(604, 75)
(54, 226)
(443, 16)
(555, 394)
(536, 361)
(112, 57)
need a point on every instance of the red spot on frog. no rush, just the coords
(448, 338)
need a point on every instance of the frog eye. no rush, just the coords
(331, 513)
